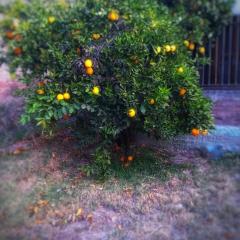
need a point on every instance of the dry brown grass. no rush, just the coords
(199, 202)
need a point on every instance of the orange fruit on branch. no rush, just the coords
(10, 35)
(167, 48)
(113, 16)
(17, 51)
(195, 132)
(89, 71)
(151, 101)
(130, 158)
(40, 91)
(96, 36)
(173, 48)
(202, 50)
(182, 92)
(204, 132)
(191, 46)
(51, 19)
(180, 70)
(96, 90)
(88, 63)
(66, 96)
(132, 113)
(186, 43)
(60, 97)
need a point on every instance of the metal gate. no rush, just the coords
(224, 53)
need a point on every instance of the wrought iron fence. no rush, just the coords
(224, 53)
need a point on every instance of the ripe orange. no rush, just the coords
(96, 36)
(88, 63)
(10, 35)
(173, 48)
(182, 92)
(195, 132)
(186, 43)
(167, 48)
(40, 91)
(151, 101)
(191, 46)
(66, 96)
(204, 132)
(180, 70)
(96, 90)
(132, 112)
(89, 71)
(60, 97)
(130, 158)
(113, 16)
(202, 50)
(51, 19)
(17, 51)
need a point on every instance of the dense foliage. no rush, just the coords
(117, 67)
(202, 19)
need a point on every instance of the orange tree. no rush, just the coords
(116, 67)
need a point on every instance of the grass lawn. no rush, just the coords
(44, 195)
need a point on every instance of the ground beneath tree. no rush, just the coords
(44, 194)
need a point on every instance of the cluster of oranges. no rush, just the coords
(126, 160)
(88, 64)
(170, 48)
(63, 96)
(40, 84)
(196, 132)
(191, 46)
(10, 35)
(165, 49)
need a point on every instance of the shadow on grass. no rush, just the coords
(228, 162)
(147, 166)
